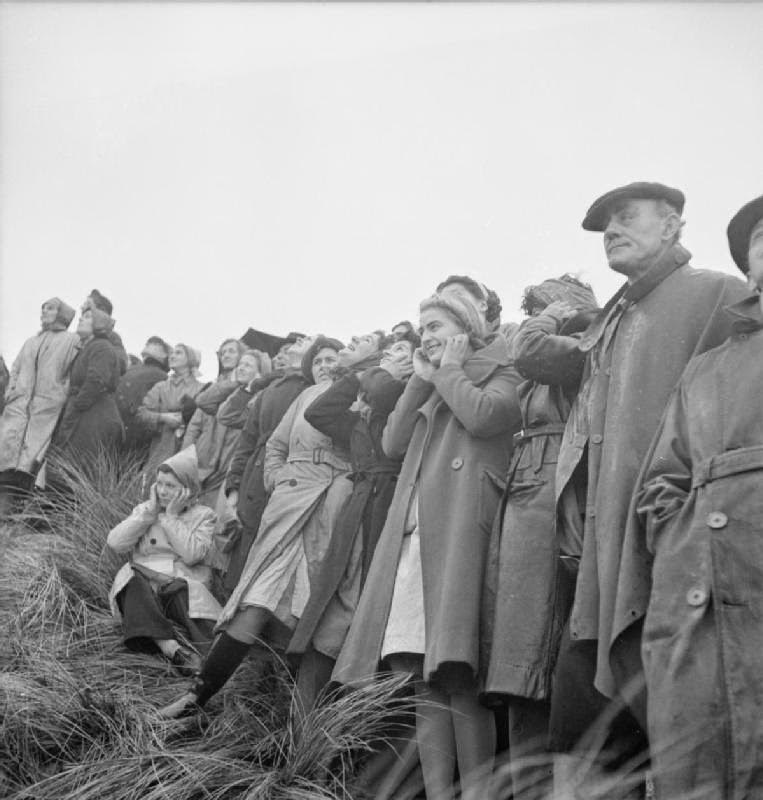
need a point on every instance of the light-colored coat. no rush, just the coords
(36, 394)
(456, 434)
(215, 442)
(702, 509)
(172, 545)
(307, 478)
(163, 397)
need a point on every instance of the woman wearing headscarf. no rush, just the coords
(306, 475)
(161, 409)
(420, 606)
(36, 394)
(529, 588)
(167, 581)
(214, 441)
(91, 422)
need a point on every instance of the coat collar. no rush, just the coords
(631, 293)
(485, 361)
(747, 314)
(480, 365)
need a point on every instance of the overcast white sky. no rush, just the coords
(323, 167)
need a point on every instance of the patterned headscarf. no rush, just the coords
(567, 289)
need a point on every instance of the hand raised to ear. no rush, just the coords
(422, 366)
(456, 351)
(178, 502)
(153, 500)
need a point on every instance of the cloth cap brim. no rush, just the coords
(739, 231)
(597, 217)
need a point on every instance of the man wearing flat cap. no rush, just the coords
(636, 349)
(701, 507)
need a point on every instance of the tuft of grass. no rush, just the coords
(78, 711)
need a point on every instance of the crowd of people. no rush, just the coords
(550, 527)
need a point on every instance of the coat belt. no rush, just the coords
(319, 455)
(745, 459)
(539, 430)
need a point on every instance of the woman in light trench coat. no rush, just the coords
(36, 394)
(420, 606)
(306, 475)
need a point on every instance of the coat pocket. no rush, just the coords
(491, 490)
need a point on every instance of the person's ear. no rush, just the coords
(671, 226)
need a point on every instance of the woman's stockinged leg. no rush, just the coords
(436, 741)
(224, 657)
(474, 727)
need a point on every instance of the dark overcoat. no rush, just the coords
(637, 350)
(333, 598)
(91, 419)
(702, 506)
(133, 386)
(528, 589)
(456, 434)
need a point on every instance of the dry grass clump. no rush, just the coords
(78, 711)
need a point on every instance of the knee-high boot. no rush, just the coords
(223, 659)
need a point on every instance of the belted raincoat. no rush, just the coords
(701, 506)
(332, 604)
(528, 590)
(306, 475)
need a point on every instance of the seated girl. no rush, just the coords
(166, 583)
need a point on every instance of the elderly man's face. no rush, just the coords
(636, 235)
(755, 255)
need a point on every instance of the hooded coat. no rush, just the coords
(36, 394)
(327, 617)
(701, 513)
(306, 476)
(91, 419)
(172, 546)
(636, 350)
(456, 435)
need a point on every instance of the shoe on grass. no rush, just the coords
(185, 706)
(186, 661)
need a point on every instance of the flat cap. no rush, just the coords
(597, 217)
(739, 231)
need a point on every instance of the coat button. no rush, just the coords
(717, 519)
(153, 541)
(293, 482)
(597, 438)
(457, 463)
(696, 597)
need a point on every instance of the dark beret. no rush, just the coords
(739, 231)
(597, 217)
